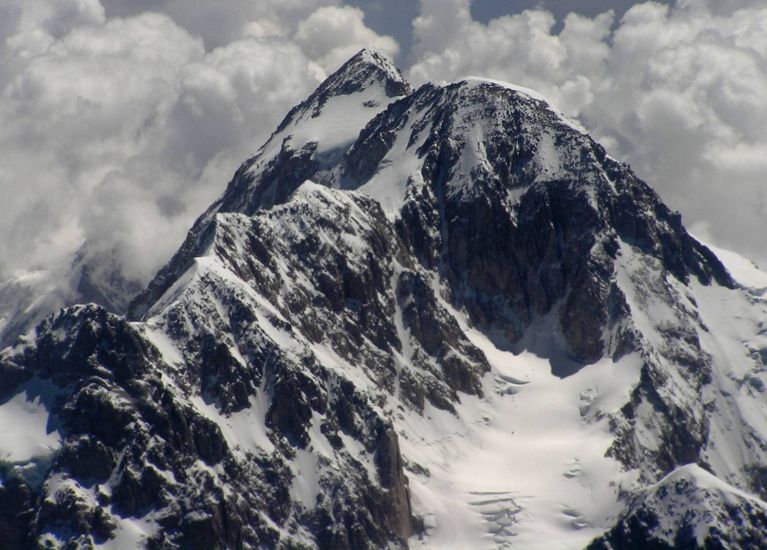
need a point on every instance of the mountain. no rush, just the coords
(439, 318)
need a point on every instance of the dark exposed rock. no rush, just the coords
(389, 462)
(223, 378)
(16, 512)
(87, 459)
(439, 335)
(511, 263)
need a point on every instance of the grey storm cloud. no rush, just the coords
(122, 120)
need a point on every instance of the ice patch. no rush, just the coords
(26, 428)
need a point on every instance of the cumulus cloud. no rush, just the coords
(121, 125)
(331, 35)
(678, 92)
(521, 46)
(110, 129)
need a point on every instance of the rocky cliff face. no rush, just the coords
(441, 317)
(175, 447)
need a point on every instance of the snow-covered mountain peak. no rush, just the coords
(353, 94)
(316, 133)
(366, 68)
(444, 311)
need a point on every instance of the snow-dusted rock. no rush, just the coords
(689, 508)
(442, 317)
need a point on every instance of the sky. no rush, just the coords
(122, 120)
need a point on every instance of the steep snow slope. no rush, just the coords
(745, 272)
(442, 318)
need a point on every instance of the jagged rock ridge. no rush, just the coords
(319, 362)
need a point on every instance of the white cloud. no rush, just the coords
(122, 122)
(677, 92)
(74, 114)
(519, 48)
(331, 35)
